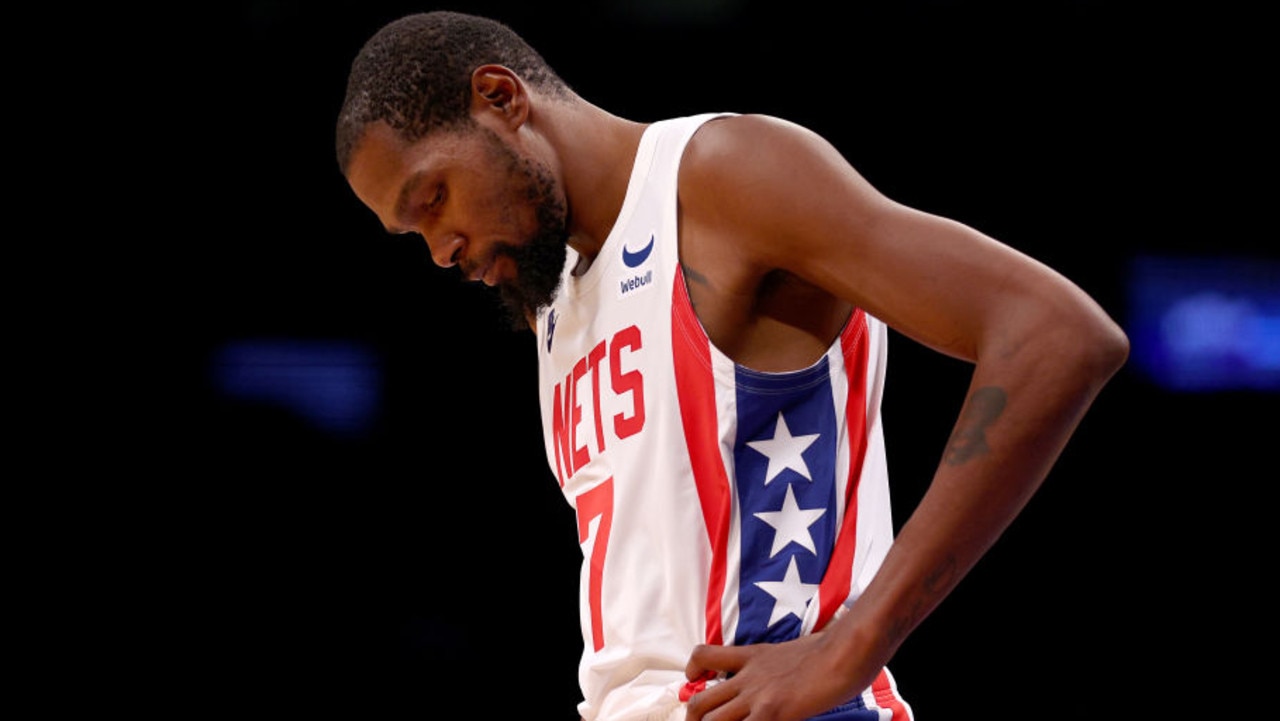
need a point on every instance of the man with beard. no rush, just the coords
(711, 297)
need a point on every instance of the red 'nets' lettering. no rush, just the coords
(569, 402)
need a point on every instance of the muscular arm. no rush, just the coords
(1041, 351)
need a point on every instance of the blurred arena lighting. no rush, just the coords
(1206, 323)
(333, 385)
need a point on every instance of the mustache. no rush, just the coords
(469, 266)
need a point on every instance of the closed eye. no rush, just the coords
(436, 200)
(431, 207)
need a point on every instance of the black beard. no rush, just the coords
(540, 260)
(540, 263)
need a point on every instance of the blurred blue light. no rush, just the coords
(1206, 323)
(334, 385)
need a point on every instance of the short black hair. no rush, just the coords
(415, 74)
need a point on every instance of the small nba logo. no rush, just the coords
(551, 327)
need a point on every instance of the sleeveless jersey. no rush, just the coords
(715, 503)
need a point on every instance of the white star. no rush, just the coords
(790, 595)
(791, 523)
(784, 451)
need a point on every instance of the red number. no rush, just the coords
(596, 503)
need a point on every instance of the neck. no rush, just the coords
(596, 151)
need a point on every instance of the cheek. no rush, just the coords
(510, 214)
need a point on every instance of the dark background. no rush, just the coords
(429, 560)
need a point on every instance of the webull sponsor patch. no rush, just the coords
(635, 283)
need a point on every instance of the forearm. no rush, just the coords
(1021, 409)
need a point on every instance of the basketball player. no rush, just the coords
(711, 297)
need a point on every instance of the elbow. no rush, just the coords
(1078, 343)
(1117, 349)
(1104, 348)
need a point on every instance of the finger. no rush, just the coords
(716, 702)
(697, 685)
(718, 659)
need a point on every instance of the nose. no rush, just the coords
(445, 249)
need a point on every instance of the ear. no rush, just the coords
(497, 94)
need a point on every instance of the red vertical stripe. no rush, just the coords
(835, 584)
(695, 388)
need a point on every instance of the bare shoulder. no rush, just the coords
(773, 185)
(728, 188)
(733, 134)
(743, 183)
(746, 152)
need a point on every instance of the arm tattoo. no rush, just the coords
(692, 275)
(936, 585)
(969, 440)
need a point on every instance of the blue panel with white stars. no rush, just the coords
(784, 457)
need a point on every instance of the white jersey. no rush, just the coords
(715, 503)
